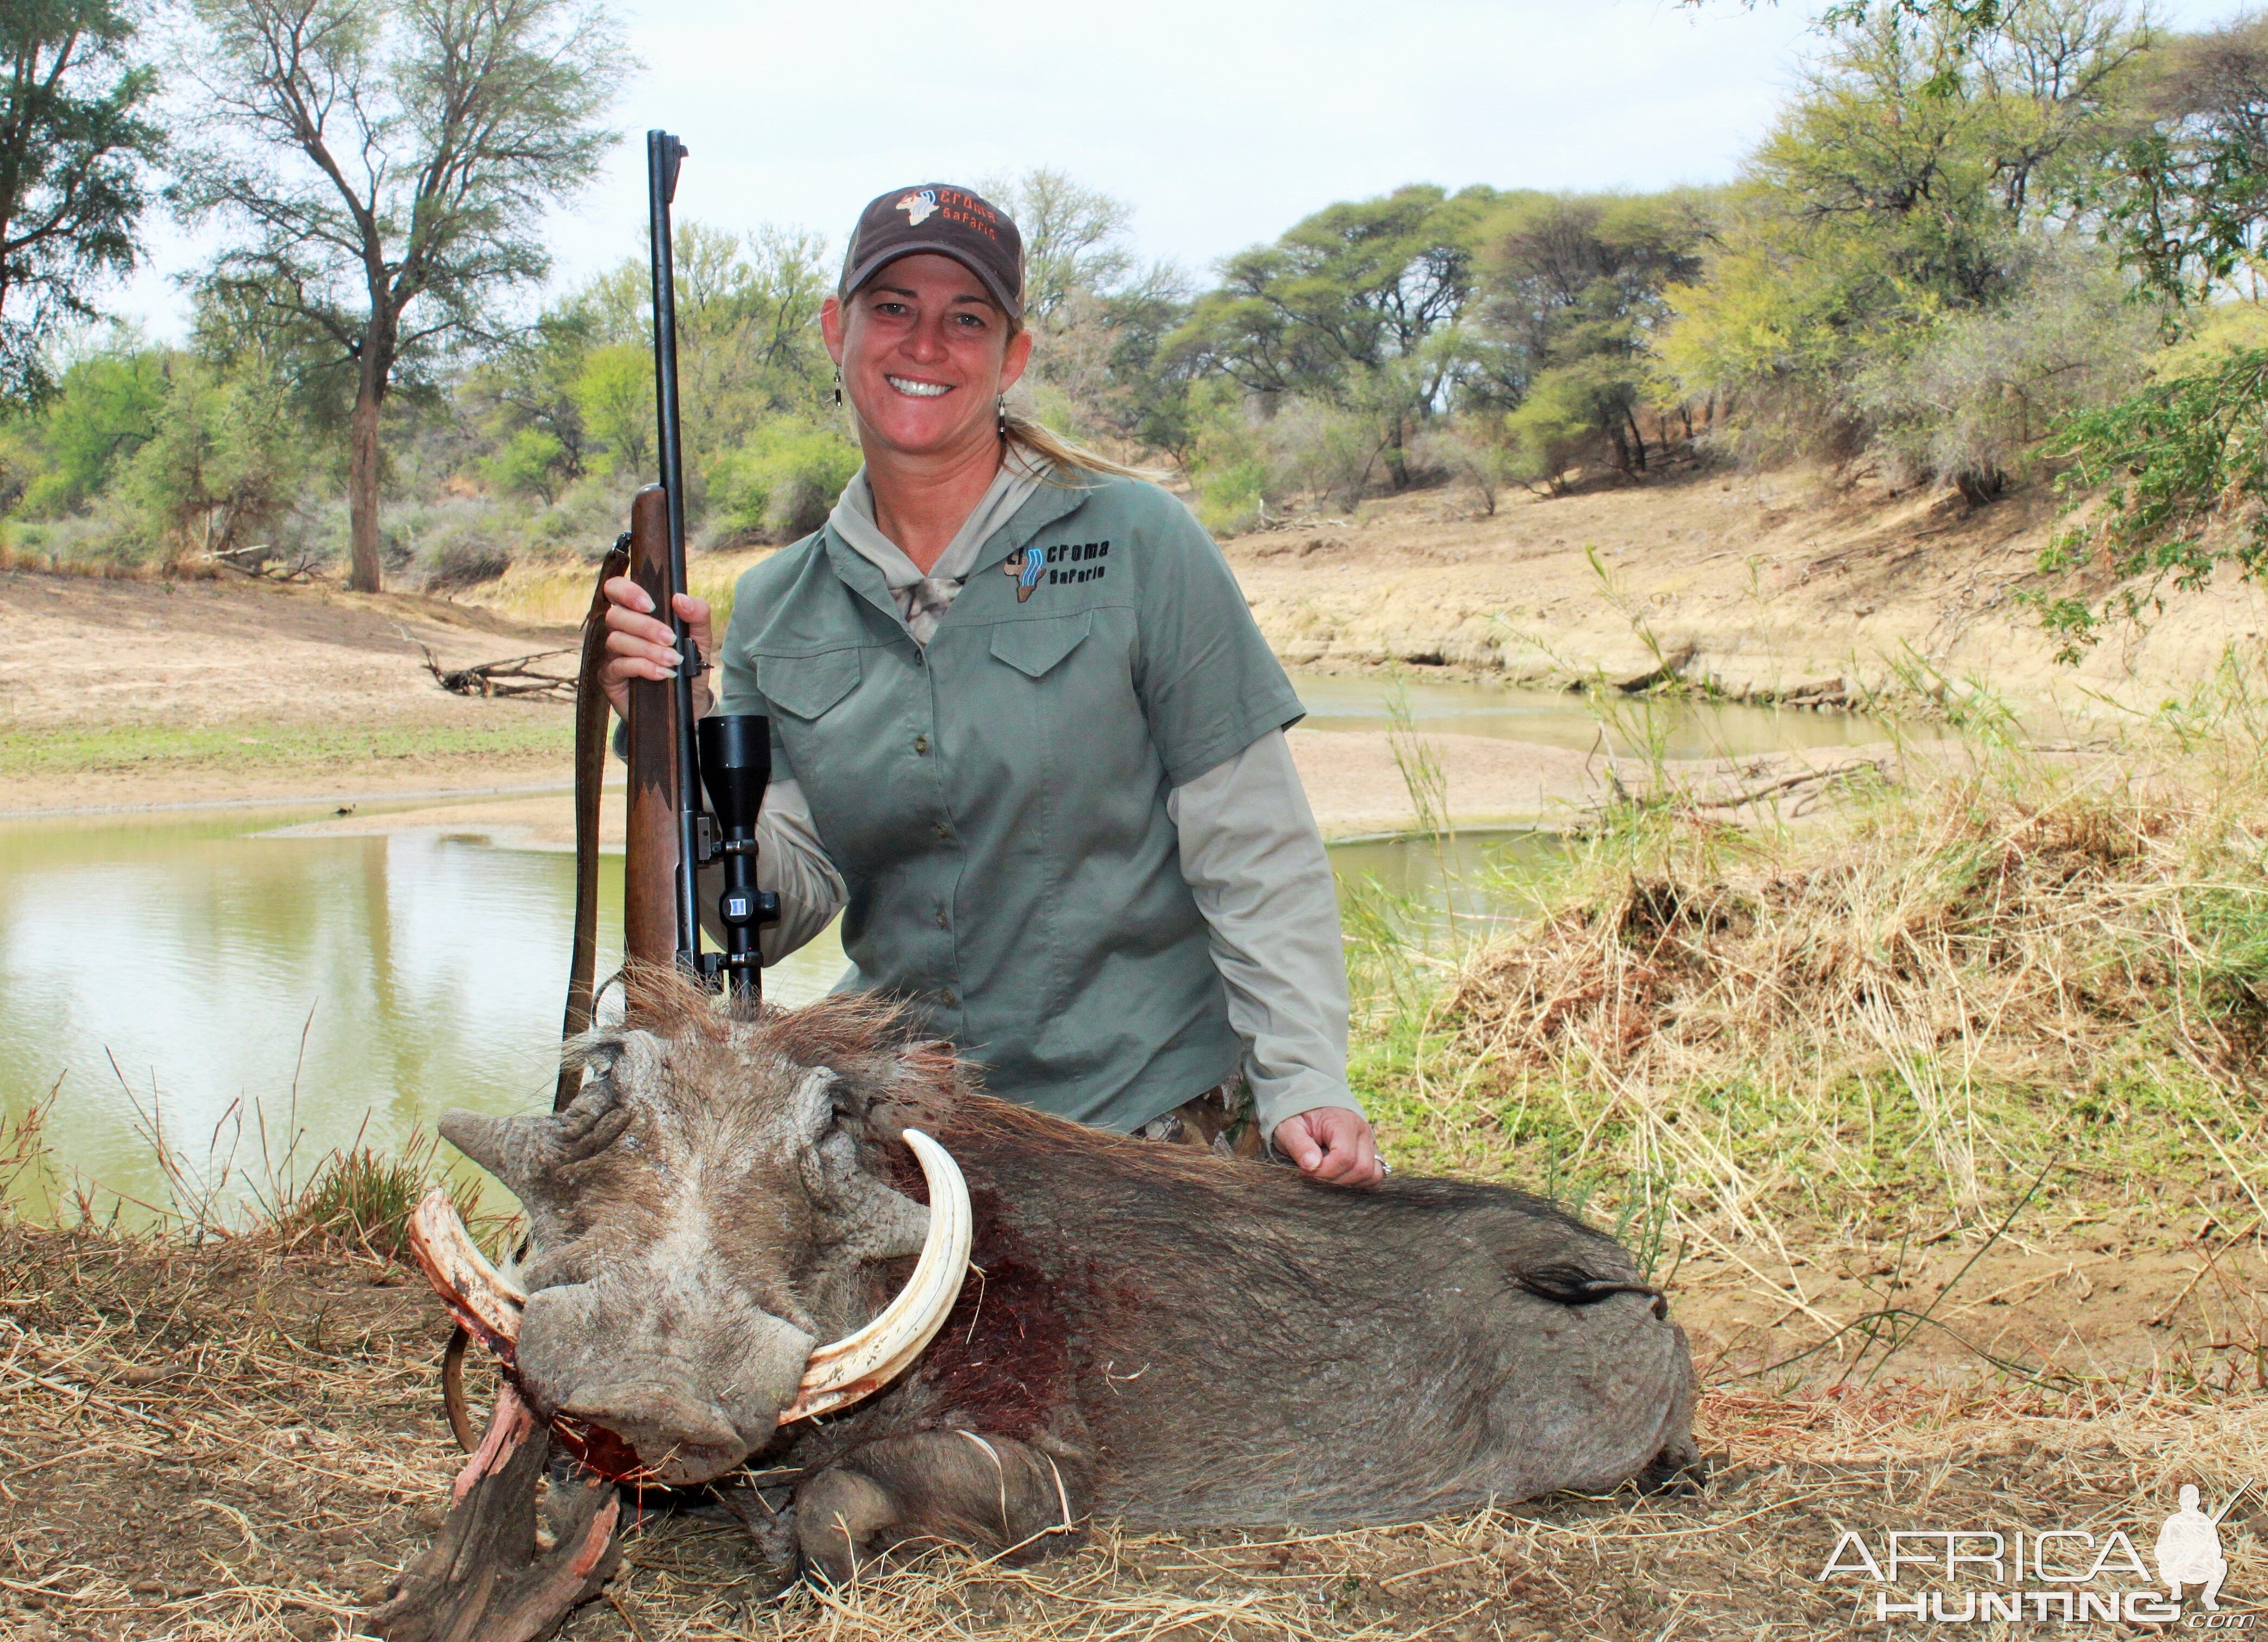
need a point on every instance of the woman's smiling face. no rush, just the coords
(925, 355)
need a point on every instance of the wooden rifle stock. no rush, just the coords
(650, 932)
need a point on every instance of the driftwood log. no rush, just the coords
(488, 1577)
(263, 561)
(514, 675)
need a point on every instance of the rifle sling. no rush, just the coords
(589, 778)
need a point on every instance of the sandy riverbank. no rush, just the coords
(1764, 586)
(1352, 783)
(128, 695)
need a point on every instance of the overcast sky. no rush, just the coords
(1222, 121)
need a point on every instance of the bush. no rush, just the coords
(1468, 452)
(464, 552)
(532, 462)
(779, 483)
(1330, 453)
(1968, 401)
(464, 562)
(1227, 465)
(1557, 427)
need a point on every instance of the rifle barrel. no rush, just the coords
(664, 154)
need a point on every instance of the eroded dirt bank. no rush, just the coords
(126, 693)
(1772, 586)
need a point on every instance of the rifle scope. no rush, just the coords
(736, 764)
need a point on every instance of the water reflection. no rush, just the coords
(219, 984)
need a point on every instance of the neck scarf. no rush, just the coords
(921, 599)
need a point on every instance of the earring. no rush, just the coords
(838, 384)
(1000, 419)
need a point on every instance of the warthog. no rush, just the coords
(1145, 1331)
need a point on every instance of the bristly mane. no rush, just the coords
(866, 1038)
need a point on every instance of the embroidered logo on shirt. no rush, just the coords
(917, 206)
(1023, 567)
(1066, 561)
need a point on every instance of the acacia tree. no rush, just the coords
(72, 146)
(1345, 309)
(387, 164)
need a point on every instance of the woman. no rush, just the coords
(1026, 736)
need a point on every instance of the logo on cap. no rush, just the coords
(917, 206)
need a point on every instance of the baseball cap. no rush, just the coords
(950, 221)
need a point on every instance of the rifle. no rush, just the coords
(671, 837)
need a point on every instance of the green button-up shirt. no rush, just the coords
(997, 802)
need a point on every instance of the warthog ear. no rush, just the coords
(486, 1140)
(519, 1151)
(811, 1106)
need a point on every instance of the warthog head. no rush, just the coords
(701, 1217)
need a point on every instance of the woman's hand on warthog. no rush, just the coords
(640, 644)
(1333, 1145)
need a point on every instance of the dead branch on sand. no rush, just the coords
(515, 675)
(259, 559)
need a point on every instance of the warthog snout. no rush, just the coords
(692, 1392)
(696, 1231)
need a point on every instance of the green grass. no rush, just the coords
(359, 1199)
(119, 750)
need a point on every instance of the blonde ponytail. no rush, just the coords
(1059, 456)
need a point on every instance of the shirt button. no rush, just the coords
(921, 744)
(944, 831)
(948, 1000)
(941, 919)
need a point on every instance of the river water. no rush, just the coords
(259, 1001)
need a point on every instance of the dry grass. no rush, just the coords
(559, 590)
(1913, 1006)
(1961, 1077)
(239, 1443)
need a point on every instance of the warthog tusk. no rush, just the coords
(482, 1298)
(860, 1365)
(856, 1365)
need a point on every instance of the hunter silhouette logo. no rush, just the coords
(1023, 568)
(917, 206)
(2189, 1550)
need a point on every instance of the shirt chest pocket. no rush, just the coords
(806, 687)
(1035, 648)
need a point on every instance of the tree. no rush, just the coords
(1570, 290)
(2181, 465)
(748, 347)
(1075, 239)
(1921, 178)
(72, 147)
(2187, 194)
(388, 163)
(614, 398)
(1102, 315)
(105, 408)
(222, 468)
(528, 387)
(1343, 306)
